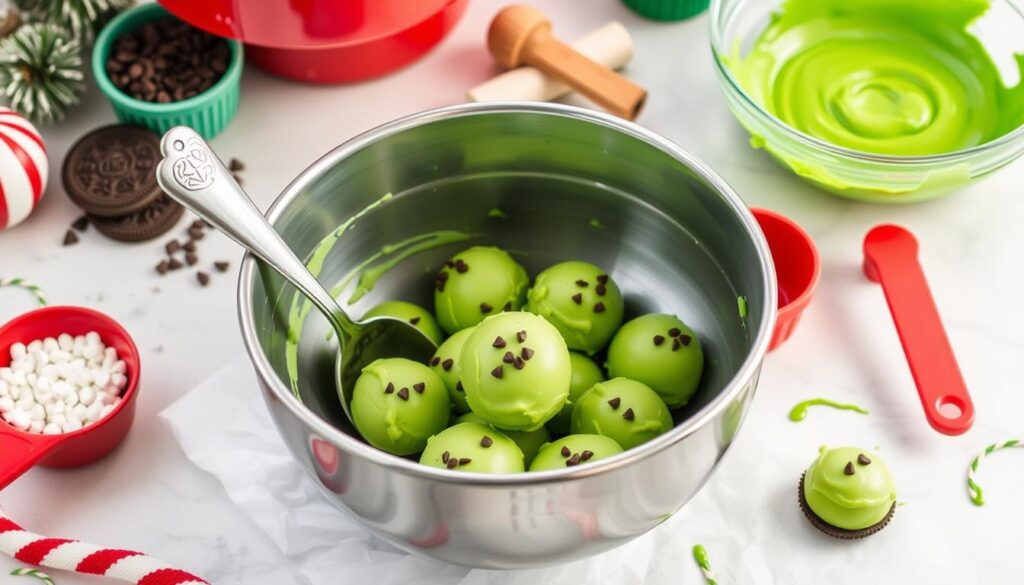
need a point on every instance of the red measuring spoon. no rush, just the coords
(890, 258)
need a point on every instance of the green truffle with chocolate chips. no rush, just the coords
(574, 450)
(847, 493)
(448, 366)
(581, 301)
(411, 312)
(475, 284)
(473, 447)
(585, 373)
(397, 404)
(623, 410)
(529, 442)
(660, 351)
(516, 371)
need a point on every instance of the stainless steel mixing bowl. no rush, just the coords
(571, 184)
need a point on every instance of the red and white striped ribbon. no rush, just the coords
(71, 555)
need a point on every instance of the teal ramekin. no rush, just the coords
(207, 113)
(668, 9)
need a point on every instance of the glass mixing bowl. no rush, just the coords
(735, 26)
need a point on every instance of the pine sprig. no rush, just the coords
(41, 72)
(83, 18)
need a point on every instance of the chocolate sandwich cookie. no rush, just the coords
(149, 222)
(111, 172)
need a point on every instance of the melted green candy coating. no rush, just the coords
(849, 501)
(660, 351)
(529, 442)
(397, 404)
(446, 363)
(623, 410)
(411, 312)
(585, 373)
(574, 450)
(473, 447)
(516, 371)
(476, 283)
(581, 301)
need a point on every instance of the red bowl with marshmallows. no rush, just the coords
(20, 450)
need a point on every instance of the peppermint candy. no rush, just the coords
(23, 168)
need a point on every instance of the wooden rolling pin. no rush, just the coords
(609, 45)
(521, 35)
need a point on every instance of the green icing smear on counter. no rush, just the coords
(894, 77)
(799, 412)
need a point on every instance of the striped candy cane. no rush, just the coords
(33, 573)
(71, 555)
(701, 556)
(27, 285)
(973, 489)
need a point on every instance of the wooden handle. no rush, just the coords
(600, 84)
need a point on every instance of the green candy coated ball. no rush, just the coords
(625, 411)
(851, 501)
(476, 283)
(473, 447)
(397, 404)
(574, 450)
(529, 442)
(413, 313)
(585, 373)
(447, 365)
(581, 301)
(516, 371)
(660, 351)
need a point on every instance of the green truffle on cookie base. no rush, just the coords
(585, 373)
(625, 411)
(447, 365)
(581, 301)
(413, 313)
(473, 447)
(516, 371)
(529, 442)
(476, 283)
(574, 450)
(397, 404)
(847, 493)
(660, 351)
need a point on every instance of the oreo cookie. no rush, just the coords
(150, 222)
(111, 171)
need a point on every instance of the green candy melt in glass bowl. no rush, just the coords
(736, 27)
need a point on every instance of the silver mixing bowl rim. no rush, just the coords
(747, 372)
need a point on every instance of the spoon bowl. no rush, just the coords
(192, 174)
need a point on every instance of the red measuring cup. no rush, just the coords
(797, 269)
(20, 450)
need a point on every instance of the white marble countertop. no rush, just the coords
(147, 496)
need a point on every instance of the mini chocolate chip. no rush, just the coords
(191, 258)
(565, 451)
(203, 278)
(435, 360)
(403, 393)
(509, 357)
(445, 456)
(603, 279)
(599, 308)
(174, 264)
(577, 298)
(507, 307)
(235, 165)
(195, 234)
(674, 332)
(685, 339)
(221, 265)
(447, 364)
(498, 372)
(458, 386)
(172, 246)
(189, 246)
(521, 335)
(849, 469)
(461, 267)
(81, 223)
(449, 264)
(70, 238)
(162, 267)
(519, 363)
(600, 289)
(586, 455)
(419, 387)
(465, 461)
(442, 275)
(614, 403)
(582, 283)
(390, 388)
(659, 339)
(415, 320)
(676, 344)
(485, 308)
(575, 459)
(527, 353)
(499, 342)
(863, 459)
(439, 285)
(486, 442)
(452, 463)
(628, 415)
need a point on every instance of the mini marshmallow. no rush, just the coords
(18, 351)
(36, 426)
(52, 429)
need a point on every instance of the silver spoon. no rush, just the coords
(191, 173)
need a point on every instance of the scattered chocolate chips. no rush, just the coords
(863, 459)
(174, 264)
(486, 442)
(390, 388)
(465, 461)
(403, 393)
(498, 372)
(685, 339)
(676, 344)
(191, 258)
(659, 339)
(615, 402)
(203, 278)
(447, 364)
(565, 451)
(485, 308)
(189, 246)
(521, 336)
(162, 267)
(415, 320)
(81, 223)
(445, 456)
(419, 387)
(574, 460)
(461, 267)
(499, 342)
(602, 279)
(599, 308)
(195, 233)
(435, 360)
(577, 298)
(519, 363)
(235, 165)
(674, 332)
(527, 353)
(508, 358)
(628, 415)
(849, 469)
(586, 455)
(172, 246)
(221, 266)
(452, 463)
(70, 238)
(582, 283)
(600, 289)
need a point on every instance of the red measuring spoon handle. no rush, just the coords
(20, 451)
(890, 258)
